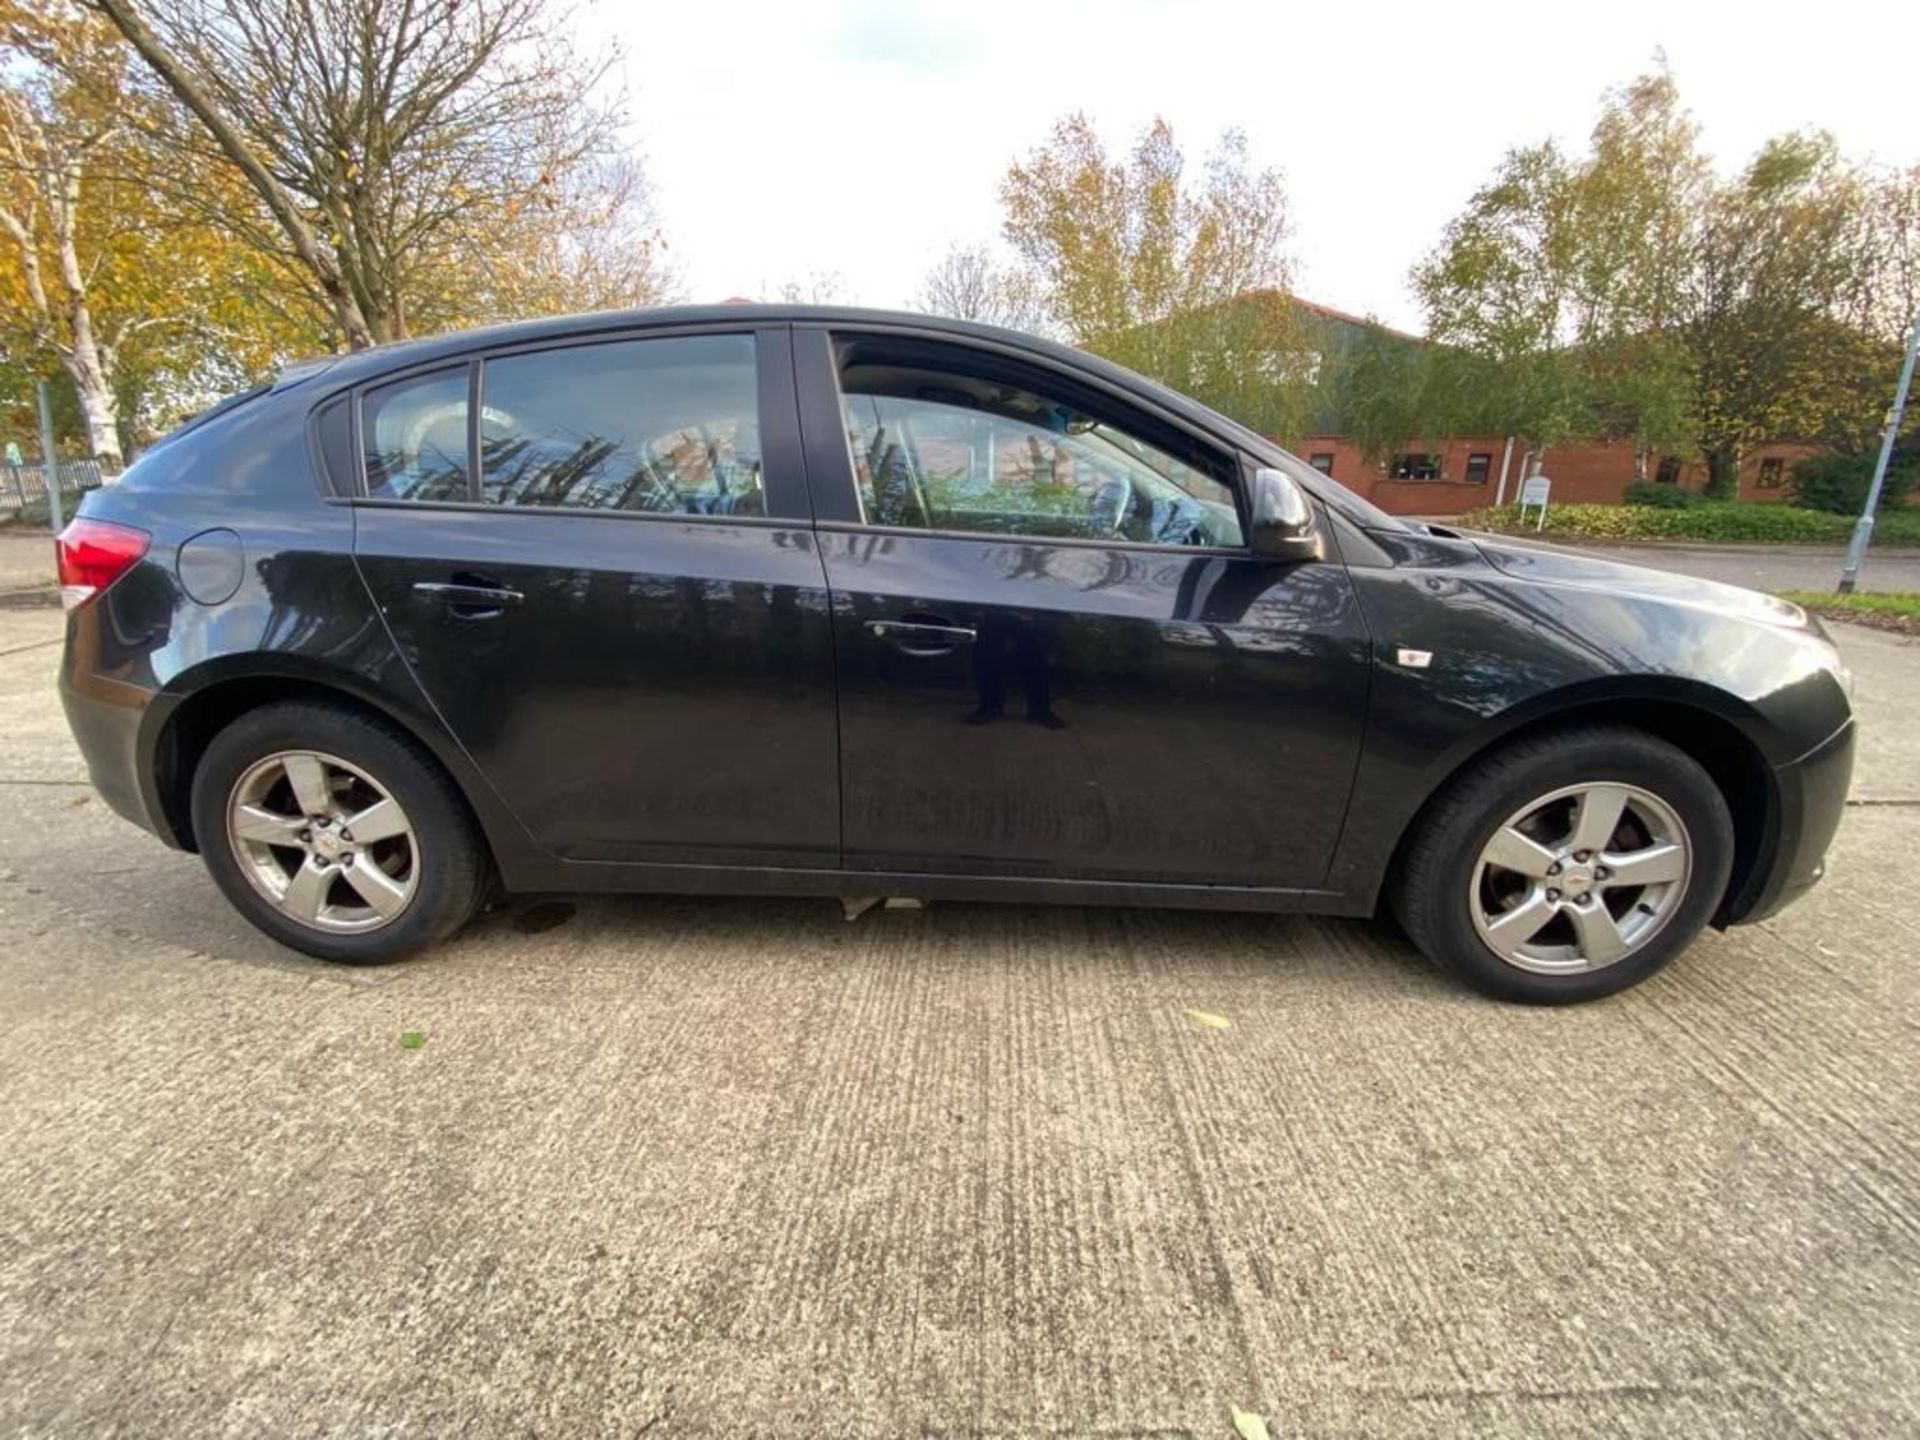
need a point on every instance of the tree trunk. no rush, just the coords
(93, 385)
(100, 408)
(1723, 473)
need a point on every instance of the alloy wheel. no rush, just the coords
(323, 842)
(1581, 878)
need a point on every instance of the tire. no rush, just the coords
(1454, 895)
(425, 881)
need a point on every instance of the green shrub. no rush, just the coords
(1838, 484)
(1660, 497)
(1712, 521)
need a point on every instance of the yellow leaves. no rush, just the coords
(1249, 1426)
(1208, 1019)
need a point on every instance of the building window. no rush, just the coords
(1479, 467)
(1414, 467)
(1323, 462)
(1772, 472)
(1669, 471)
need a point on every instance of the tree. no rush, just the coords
(54, 135)
(1626, 294)
(1185, 282)
(1501, 295)
(966, 284)
(1633, 208)
(148, 310)
(412, 163)
(1774, 318)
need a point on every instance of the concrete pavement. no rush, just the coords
(706, 1167)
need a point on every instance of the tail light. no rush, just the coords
(92, 554)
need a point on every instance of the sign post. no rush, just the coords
(1535, 492)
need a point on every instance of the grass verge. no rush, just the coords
(1897, 613)
(1713, 522)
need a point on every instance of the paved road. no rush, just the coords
(1772, 568)
(741, 1168)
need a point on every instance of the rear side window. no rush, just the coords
(415, 435)
(667, 425)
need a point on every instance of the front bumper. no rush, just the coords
(1812, 793)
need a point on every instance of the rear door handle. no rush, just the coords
(472, 602)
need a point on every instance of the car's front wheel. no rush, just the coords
(335, 833)
(1567, 866)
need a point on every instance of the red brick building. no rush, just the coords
(1461, 473)
(1448, 476)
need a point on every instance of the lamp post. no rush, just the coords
(1863, 528)
(50, 470)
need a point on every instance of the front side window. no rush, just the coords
(666, 425)
(954, 452)
(414, 432)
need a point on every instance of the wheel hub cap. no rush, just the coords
(1580, 878)
(323, 842)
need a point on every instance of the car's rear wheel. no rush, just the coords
(1568, 866)
(335, 833)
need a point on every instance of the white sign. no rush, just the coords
(1535, 491)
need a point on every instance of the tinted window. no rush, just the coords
(668, 425)
(415, 433)
(947, 452)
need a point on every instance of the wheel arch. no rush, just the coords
(205, 700)
(1719, 743)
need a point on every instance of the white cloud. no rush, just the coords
(860, 139)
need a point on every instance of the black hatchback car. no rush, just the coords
(831, 602)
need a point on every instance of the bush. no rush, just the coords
(1838, 484)
(1712, 521)
(1660, 497)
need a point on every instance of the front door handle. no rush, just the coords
(922, 637)
(469, 601)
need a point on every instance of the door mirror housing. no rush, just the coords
(1283, 524)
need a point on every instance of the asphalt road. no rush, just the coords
(725, 1168)
(1773, 568)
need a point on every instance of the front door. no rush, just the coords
(1057, 657)
(615, 601)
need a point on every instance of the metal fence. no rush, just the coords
(22, 486)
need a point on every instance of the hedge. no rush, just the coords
(1714, 521)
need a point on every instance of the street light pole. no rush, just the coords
(1863, 528)
(49, 468)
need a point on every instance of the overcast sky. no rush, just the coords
(857, 139)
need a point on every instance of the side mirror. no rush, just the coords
(1283, 527)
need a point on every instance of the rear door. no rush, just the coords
(1057, 656)
(595, 559)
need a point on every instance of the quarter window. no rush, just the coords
(415, 436)
(955, 452)
(666, 425)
